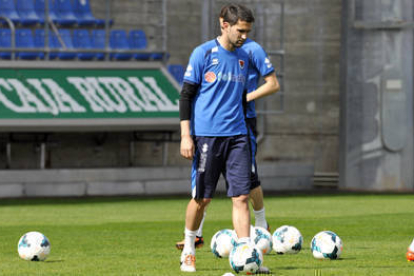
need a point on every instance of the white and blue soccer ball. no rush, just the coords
(326, 245)
(262, 238)
(287, 240)
(33, 246)
(245, 257)
(222, 243)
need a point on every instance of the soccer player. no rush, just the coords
(259, 66)
(213, 129)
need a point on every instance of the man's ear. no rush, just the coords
(221, 22)
(224, 24)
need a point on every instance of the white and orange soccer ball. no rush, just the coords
(262, 239)
(222, 243)
(33, 246)
(287, 240)
(246, 258)
(326, 245)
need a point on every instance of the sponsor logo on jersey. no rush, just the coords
(210, 77)
(215, 61)
(241, 63)
(231, 77)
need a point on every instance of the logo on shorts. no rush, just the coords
(203, 158)
(210, 77)
(241, 63)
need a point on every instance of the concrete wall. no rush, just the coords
(136, 181)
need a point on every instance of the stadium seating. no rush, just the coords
(98, 42)
(177, 71)
(27, 13)
(72, 14)
(65, 13)
(54, 43)
(67, 39)
(5, 42)
(25, 39)
(82, 40)
(137, 40)
(8, 9)
(84, 14)
(118, 40)
(39, 6)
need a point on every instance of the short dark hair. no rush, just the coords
(232, 13)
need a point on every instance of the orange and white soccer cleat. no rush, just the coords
(410, 252)
(188, 263)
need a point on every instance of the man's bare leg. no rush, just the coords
(256, 199)
(241, 216)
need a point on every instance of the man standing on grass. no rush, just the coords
(259, 67)
(213, 129)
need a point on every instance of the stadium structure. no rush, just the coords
(89, 95)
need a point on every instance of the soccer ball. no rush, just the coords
(262, 238)
(33, 246)
(287, 240)
(245, 258)
(223, 242)
(326, 245)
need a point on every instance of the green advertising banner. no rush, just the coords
(68, 98)
(86, 94)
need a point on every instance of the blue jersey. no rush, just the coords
(259, 65)
(221, 75)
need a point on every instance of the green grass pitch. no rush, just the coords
(136, 236)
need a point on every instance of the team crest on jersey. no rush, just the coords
(215, 61)
(210, 77)
(241, 63)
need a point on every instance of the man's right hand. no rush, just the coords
(187, 147)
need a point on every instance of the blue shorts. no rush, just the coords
(229, 156)
(251, 128)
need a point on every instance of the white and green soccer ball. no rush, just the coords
(326, 245)
(262, 239)
(33, 246)
(287, 240)
(222, 243)
(245, 258)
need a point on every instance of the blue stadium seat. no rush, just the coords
(25, 39)
(5, 42)
(177, 70)
(27, 13)
(82, 40)
(84, 14)
(98, 42)
(39, 42)
(8, 9)
(137, 40)
(65, 13)
(67, 39)
(55, 43)
(118, 40)
(39, 6)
